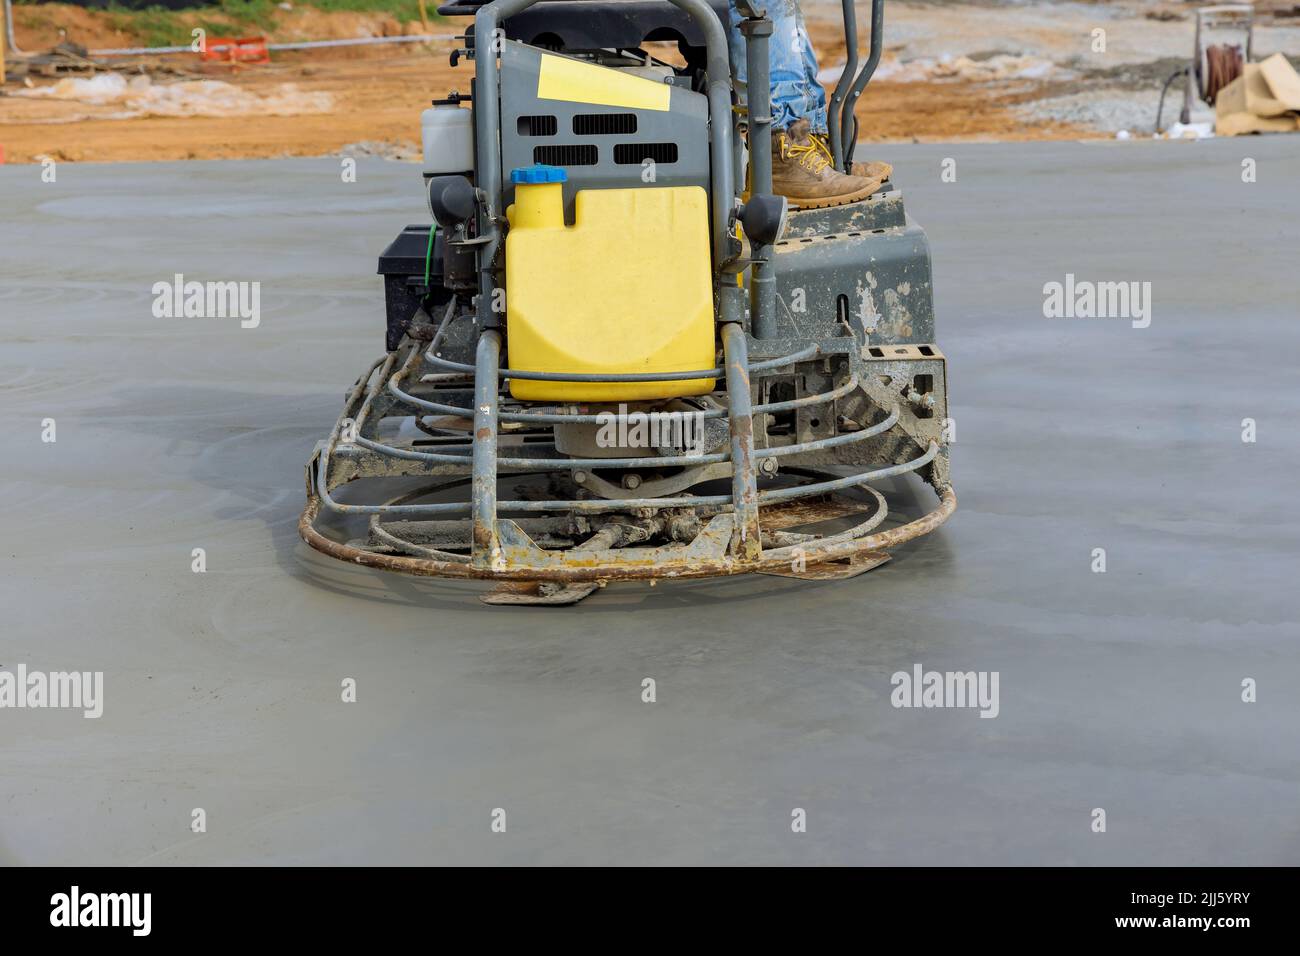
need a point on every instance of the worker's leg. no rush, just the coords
(802, 170)
(796, 94)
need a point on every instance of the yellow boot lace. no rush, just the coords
(822, 147)
(813, 155)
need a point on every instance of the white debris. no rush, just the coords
(1190, 131)
(140, 96)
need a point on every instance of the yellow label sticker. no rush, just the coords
(576, 82)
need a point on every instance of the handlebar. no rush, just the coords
(840, 112)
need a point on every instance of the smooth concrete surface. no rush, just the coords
(1118, 690)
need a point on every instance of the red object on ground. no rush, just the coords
(235, 50)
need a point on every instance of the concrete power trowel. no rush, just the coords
(615, 354)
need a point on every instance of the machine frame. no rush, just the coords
(853, 382)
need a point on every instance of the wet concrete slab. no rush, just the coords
(1119, 690)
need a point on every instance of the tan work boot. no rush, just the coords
(802, 171)
(881, 171)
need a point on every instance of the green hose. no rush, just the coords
(428, 257)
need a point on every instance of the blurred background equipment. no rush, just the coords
(1222, 48)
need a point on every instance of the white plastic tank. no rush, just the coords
(447, 134)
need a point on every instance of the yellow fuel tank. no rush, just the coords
(625, 289)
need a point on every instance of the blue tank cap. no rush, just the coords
(538, 173)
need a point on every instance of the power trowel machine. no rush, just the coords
(615, 354)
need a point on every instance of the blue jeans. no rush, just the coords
(796, 94)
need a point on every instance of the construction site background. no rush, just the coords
(985, 70)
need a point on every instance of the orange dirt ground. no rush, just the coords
(379, 93)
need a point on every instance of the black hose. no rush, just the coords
(1163, 90)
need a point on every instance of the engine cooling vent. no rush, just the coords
(604, 124)
(566, 154)
(633, 154)
(538, 126)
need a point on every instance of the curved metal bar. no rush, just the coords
(812, 351)
(839, 484)
(819, 444)
(547, 418)
(605, 506)
(409, 547)
(793, 539)
(377, 530)
(657, 461)
(848, 120)
(780, 538)
(593, 570)
(407, 454)
(836, 105)
(448, 317)
(364, 411)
